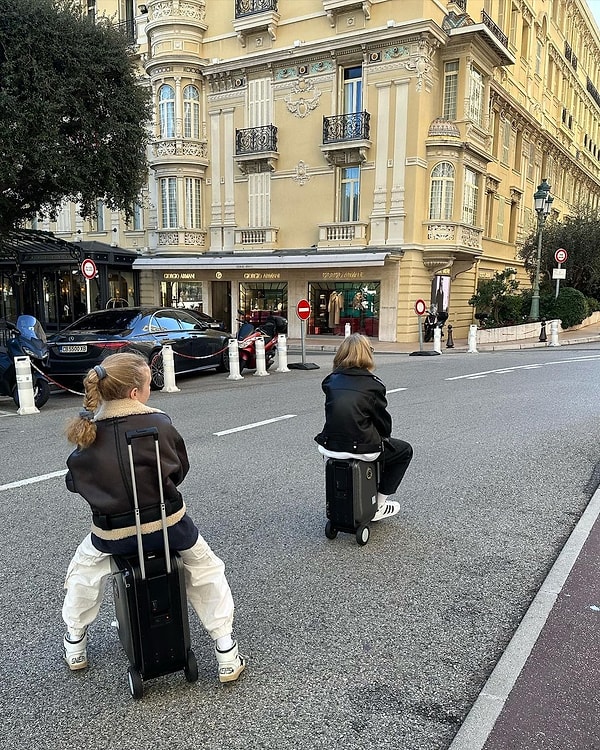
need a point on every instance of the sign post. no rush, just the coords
(303, 312)
(89, 271)
(560, 256)
(420, 310)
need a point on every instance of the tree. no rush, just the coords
(493, 293)
(73, 118)
(579, 235)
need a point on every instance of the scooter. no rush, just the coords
(248, 334)
(25, 338)
(434, 320)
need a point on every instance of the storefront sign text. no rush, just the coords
(191, 276)
(343, 275)
(261, 276)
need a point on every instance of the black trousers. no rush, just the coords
(397, 455)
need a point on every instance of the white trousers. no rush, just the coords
(207, 589)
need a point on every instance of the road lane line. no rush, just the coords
(502, 370)
(396, 390)
(32, 480)
(253, 425)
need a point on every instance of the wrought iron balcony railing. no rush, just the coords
(462, 4)
(353, 126)
(256, 140)
(494, 28)
(251, 7)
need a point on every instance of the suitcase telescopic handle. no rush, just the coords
(130, 436)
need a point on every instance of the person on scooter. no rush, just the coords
(116, 393)
(357, 422)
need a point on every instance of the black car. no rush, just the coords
(85, 343)
(208, 320)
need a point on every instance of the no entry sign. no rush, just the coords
(560, 255)
(88, 269)
(303, 309)
(420, 307)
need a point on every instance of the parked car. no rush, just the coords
(87, 341)
(208, 320)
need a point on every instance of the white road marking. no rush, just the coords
(395, 390)
(32, 480)
(502, 370)
(254, 424)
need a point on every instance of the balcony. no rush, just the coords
(254, 16)
(256, 149)
(256, 238)
(463, 29)
(168, 151)
(451, 244)
(176, 238)
(343, 234)
(346, 138)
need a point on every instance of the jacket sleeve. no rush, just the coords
(382, 419)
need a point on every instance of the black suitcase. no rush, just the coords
(351, 497)
(150, 600)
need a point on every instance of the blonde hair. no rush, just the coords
(354, 351)
(114, 379)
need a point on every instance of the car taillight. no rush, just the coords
(114, 344)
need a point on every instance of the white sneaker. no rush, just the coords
(387, 510)
(75, 653)
(231, 663)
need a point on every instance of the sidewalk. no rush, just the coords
(544, 693)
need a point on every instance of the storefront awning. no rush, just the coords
(271, 260)
(31, 246)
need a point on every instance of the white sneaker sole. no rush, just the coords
(235, 673)
(391, 509)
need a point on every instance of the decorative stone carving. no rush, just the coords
(299, 104)
(301, 176)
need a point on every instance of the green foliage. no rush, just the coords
(72, 115)
(593, 305)
(570, 306)
(492, 294)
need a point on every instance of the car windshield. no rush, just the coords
(118, 319)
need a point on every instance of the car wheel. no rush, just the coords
(157, 371)
(223, 365)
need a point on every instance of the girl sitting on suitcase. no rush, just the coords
(357, 423)
(116, 393)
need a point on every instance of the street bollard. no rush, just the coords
(282, 353)
(168, 369)
(261, 362)
(25, 386)
(449, 340)
(472, 340)
(437, 340)
(554, 333)
(346, 330)
(543, 335)
(234, 360)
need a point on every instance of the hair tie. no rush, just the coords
(87, 414)
(100, 372)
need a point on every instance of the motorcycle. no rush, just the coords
(25, 338)
(248, 334)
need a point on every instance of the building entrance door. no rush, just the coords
(221, 301)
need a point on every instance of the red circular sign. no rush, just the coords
(420, 307)
(303, 309)
(88, 269)
(560, 255)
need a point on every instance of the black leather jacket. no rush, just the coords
(356, 416)
(100, 473)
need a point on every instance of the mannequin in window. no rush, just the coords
(334, 307)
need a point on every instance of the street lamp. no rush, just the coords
(543, 204)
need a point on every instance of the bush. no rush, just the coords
(570, 306)
(593, 305)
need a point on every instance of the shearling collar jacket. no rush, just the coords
(356, 416)
(101, 474)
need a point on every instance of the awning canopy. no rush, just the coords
(31, 246)
(290, 261)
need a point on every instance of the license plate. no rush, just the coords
(73, 349)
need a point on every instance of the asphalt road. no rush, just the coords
(382, 646)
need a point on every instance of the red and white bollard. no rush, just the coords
(261, 360)
(234, 360)
(25, 386)
(282, 353)
(168, 370)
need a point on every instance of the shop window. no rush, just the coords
(334, 305)
(181, 294)
(258, 300)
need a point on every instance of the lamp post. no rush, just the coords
(543, 204)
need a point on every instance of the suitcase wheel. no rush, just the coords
(362, 535)
(330, 531)
(136, 684)
(191, 667)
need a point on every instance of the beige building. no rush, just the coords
(361, 154)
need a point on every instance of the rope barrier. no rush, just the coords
(50, 380)
(206, 356)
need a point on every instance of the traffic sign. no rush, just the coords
(420, 307)
(303, 309)
(88, 268)
(560, 255)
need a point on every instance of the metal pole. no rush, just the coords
(534, 312)
(303, 339)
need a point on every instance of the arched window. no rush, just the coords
(166, 111)
(191, 112)
(441, 201)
